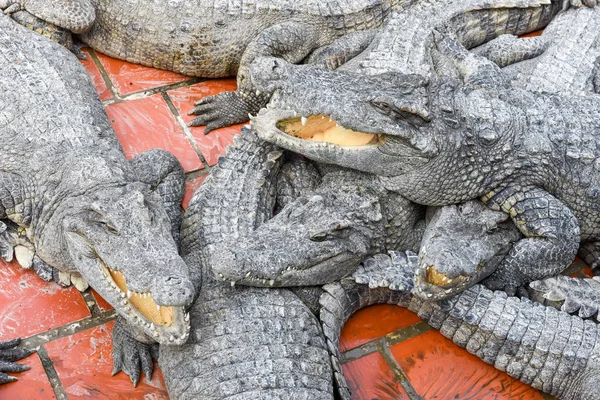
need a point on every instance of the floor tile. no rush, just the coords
(29, 305)
(374, 322)
(437, 367)
(130, 78)
(32, 384)
(147, 123)
(84, 363)
(212, 145)
(102, 304)
(370, 378)
(190, 187)
(103, 90)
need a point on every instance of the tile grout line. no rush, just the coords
(53, 378)
(38, 340)
(103, 73)
(389, 340)
(397, 370)
(185, 128)
(150, 92)
(91, 303)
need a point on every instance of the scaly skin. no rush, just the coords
(548, 349)
(214, 39)
(78, 205)
(348, 217)
(246, 343)
(9, 354)
(570, 48)
(506, 145)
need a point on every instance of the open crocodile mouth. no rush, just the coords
(164, 323)
(322, 128)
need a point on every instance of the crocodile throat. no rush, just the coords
(320, 128)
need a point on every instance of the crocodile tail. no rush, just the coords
(342, 299)
(548, 349)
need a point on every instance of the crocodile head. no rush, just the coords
(433, 141)
(311, 241)
(461, 246)
(119, 239)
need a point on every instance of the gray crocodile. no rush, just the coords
(245, 343)
(548, 349)
(532, 165)
(69, 199)
(214, 39)
(321, 236)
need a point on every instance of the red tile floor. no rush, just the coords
(388, 352)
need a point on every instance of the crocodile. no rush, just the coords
(570, 43)
(69, 199)
(441, 140)
(321, 236)
(213, 39)
(9, 353)
(245, 343)
(548, 349)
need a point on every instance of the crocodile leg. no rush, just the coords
(342, 50)
(76, 16)
(551, 237)
(571, 295)
(291, 41)
(509, 49)
(476, 71)
(9, 354)
(132, 355)
(163, 172)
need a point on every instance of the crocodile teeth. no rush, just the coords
(24, 256)
(171, 338)
(232, 283)
(303, 120)
(187, 317)
(247, 274)
(80, 283)
(152, 327)
(64, 278)
(271, 282)
(128, 294)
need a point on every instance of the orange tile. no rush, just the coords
(532, 34)
(190, 188)
(370, 377)
(102, 304)
(130, 78)
(148, 123)
(212, 145)
(436, 367)
(374, 322)
(84, 362)
(32, 384)
(29, 305)
(103, 90)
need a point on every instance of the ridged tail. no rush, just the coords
(548, 349)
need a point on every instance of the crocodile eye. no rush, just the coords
(319, 237)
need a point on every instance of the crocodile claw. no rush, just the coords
(9, 354)
(11, 6)
(221, 110)
(131, 356)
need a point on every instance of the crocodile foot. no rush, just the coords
(9, 354)
(132, 356)
(220, 110)
(11, 6)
